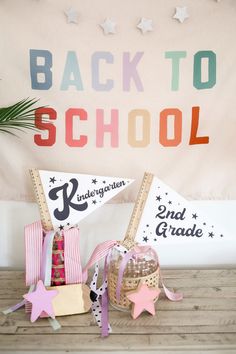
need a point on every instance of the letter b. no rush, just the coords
(36, 68)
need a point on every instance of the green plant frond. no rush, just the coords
(17, 109)
(7, 132)
(17, 124)
(10, 132)
(11, 129)
(30, 116)
(19, 116)
(21, 125)
(18, 119)
(5, 112)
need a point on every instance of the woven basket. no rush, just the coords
(128, 284)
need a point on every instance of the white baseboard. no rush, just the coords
(110, 222)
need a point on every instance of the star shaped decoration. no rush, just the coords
(194, 216)
(158, 198)
(210, 234)
(181, 13)
(52, 180)
(169, 202)
(41, 300)
(108, 26)
(72, 15)
(94, 181)
(94, 202)
(145, 239)
(142, 299)
(145, 25)
(61, 227)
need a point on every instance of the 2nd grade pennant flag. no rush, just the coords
(66, 198)
(167, 215)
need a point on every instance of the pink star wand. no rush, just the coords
(41, 300)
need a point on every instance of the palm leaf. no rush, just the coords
(19, 116)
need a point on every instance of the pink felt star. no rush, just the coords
(41, 300)
(143, 299)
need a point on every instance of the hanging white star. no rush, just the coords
(145, 25)
(108, 26)
(72, 15)
(181, 14)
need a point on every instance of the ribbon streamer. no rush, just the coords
(54, 323)
(33, 252)
(73, 267)
(97, 309)
(101, 251)
(46, 261)
(14, 308)
(105, 329)
(19, 305)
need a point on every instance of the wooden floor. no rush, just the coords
(204, 322)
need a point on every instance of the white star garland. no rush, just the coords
(108, 26)
(72, 15)
(181, 14)
(145, 25)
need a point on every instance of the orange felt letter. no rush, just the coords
(194, 139)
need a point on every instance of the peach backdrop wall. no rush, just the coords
(124, 103)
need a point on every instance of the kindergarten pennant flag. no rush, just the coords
(67, 198)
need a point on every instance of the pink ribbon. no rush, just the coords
(36, 250)
(73, 267)
(14, 308)
(33, 252)
(123, 264)
(96, 306)
(105, 319)
(101, 251)
(46, 259)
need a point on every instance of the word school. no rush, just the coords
(169, 119)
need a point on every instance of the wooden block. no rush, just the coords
(71, 299)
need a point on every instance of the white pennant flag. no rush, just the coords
(167, 215)
(67, 198)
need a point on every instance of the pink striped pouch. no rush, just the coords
(66, 261)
